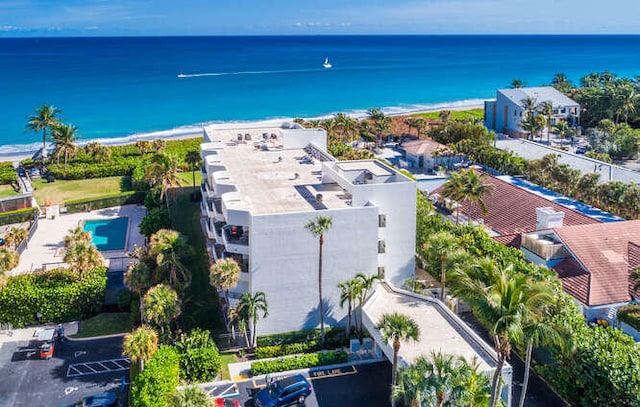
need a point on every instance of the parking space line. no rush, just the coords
(97, 367)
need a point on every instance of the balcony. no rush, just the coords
(236, 239)
(206, 191)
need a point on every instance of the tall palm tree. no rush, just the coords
(538, 330)
(397, 328)
(541, 121)
(225, 273)
(439, 251)
(193, 159)
(502, 299)
(76, 235)
(83, 256)
(161, 306)
(411, 387)
(546, 109)
(349, 292)
(249, 309)
(517, 83)
(15, 236)
(472, 386)
(366, 284)
(45, 118)
(453, 190)
(163, 171)
(420, 124)
(440, 371)
(561, 128)
(170, 251)
(530, 125)
(97, 151)
(318, 227)
(475, 187)
(64, 136)
(191, 396)
(140, 345)
(138, 279)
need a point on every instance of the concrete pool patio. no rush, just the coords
(46, 245)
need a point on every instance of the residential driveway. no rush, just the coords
(362, 385)
(26, 380)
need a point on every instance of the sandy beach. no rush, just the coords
(194, 131)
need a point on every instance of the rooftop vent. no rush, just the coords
(319, 197)
(547, 218)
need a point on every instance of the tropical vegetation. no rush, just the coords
(397, 328)
(318, 227)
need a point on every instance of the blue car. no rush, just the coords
(284, 392)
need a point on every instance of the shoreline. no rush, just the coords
(195, 130)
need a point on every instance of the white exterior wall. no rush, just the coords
(283, 263)
(300, 138)
(513, 121)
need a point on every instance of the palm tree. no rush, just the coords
(539, 331)
(411, 386)
(170, 250)
(193, 159)
(441, 371)
(82, 256)
(64, 136)
(45, 117)
(191, 396)
(159, 145)
(502, 299)
(97, 151)
(472, 386)
(445, 116)
(474, 188)
(144, 146)
(249, 309)
(318, 227)
(225, 273)
(561, 128)
(76, 235)
(366, 284)
(397, 327)
(138, 279)
(140, 345)
(163, 171)
(530, 126)
(452, 190)
(420, 124)
(541, 121)
(15, 236)
(9, 259)
(439, 250)
(161, 306)
(546, 109)
(349, 292)
(518, 83)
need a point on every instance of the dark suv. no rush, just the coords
(284, 392)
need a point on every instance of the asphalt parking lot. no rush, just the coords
(362, 385)
(26, 380)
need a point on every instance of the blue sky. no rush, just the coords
(20, 18)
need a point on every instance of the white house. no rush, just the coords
(504, 114)
(262, 185)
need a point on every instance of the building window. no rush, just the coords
(381, 271)
(563, 110)
(382, 221)
(515, 112)
(382, 246)
(520, 114)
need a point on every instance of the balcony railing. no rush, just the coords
(235, 235)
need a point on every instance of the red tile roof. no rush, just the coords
(512, 210)
(634, 263)
(575, 279)
(603, 251)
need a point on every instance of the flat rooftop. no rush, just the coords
(373, 167)
(440, 330)
(270, 179)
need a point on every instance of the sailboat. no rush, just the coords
(327, 64)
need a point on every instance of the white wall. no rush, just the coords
(300, 138)
(284, 264)
(513, 121)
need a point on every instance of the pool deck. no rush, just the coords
(46, 245)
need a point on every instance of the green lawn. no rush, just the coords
(7, 190)
(201, 307)
(107, 323)
(455, 114)
(65, 190)
(226, 358)
(186, 179)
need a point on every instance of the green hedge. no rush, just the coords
(57, 294)
(274, 351)
(332, 336)
(105, 201)
(18, 216)
(298, 362)
(630, 315)
(124, 166)
(157, 383)
(8, 174)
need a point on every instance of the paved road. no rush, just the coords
(354, 386)
(26, 380)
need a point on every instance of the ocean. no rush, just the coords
(121, 88)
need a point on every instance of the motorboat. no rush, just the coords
(327, 64)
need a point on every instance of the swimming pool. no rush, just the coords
(108, 234)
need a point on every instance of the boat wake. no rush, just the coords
(198, 75)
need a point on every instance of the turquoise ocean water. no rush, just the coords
(121, 87)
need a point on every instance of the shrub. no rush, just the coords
(106, 201)
(18, 216)
(7, 173)
(199, 358)
(58, 295)
(298, 362)
(273, 351)
(332, 335)
(156, 219)
(155, 386)
(630, 314)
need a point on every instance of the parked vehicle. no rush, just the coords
(284, 392)
(226, 403)
(107, 399)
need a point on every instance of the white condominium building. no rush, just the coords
(262, 185)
